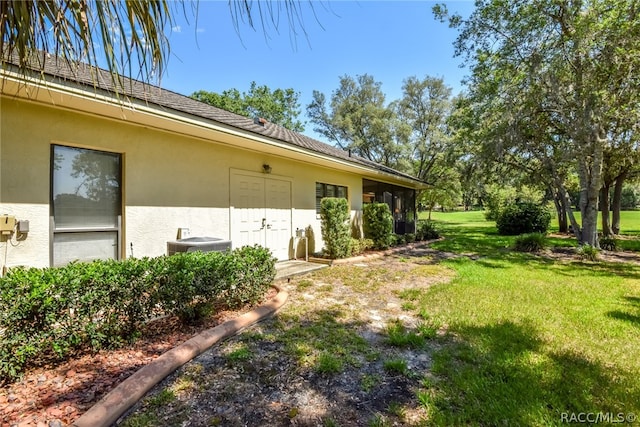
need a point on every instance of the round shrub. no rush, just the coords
(523, 217)
(359, 246)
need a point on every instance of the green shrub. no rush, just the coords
(335, 227)
(530, 242)
(609, 244)
(359, 246)
(498, 197)
(398, 239)
(409, 237)
(588, 252)
(248, 278)
(426, 230)
(523, 217)
(48, 313)
(378, 224)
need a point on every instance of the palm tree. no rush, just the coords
(126, 35)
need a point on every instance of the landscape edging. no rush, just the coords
(385, 252)
(115, 403)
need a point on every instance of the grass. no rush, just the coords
(325, 340)
(529, 338)
(399, 336)
(396, 366)
(242, 352)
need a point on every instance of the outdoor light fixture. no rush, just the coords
(266, 168)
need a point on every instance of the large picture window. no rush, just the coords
(86, 204)
(328, 190)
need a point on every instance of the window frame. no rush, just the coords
(336, 191)
(55, 230)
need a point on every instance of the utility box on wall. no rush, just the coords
(7, 227)
(23, 226)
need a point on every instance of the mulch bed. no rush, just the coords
(56, 395)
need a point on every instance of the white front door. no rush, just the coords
(261, 213)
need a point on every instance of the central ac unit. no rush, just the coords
(203, 244)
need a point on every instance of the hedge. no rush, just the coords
(46, 314)
(335, 228)
(378, 224)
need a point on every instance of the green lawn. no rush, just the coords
(530, 340)
(475, 221)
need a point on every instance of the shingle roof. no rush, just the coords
(100, 79)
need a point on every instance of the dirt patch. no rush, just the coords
(569, 255)
(324, 359)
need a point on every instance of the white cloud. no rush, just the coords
(177, 29)
(200, 30)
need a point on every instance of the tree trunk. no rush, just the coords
(590, 173)
(617, 202)
(566, 201)
(604, 209)
(563, 225)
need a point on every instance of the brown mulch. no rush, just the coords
(57, 395)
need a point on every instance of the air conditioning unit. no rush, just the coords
(203, 244)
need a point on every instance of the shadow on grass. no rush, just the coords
(311, 368)
(490, 249)
(504, 374)
(633, 306)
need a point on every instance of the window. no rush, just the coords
(329, 190)
(86, 204)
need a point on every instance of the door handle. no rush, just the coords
(264, 223)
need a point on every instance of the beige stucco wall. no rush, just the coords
(170, 180)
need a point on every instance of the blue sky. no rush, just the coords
(390, 40)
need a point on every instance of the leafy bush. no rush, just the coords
(335, 227)
(523, 217)
(359, 246)
(426, 230)
(495, 200)
(378, 224)
(530, 242)
(588, 252)
(48, 313)
(398, 239)
(609, 244)
(249, 277)
(409, 237)
(498, 197)
(630, 197)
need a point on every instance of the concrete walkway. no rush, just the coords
(287, 269)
